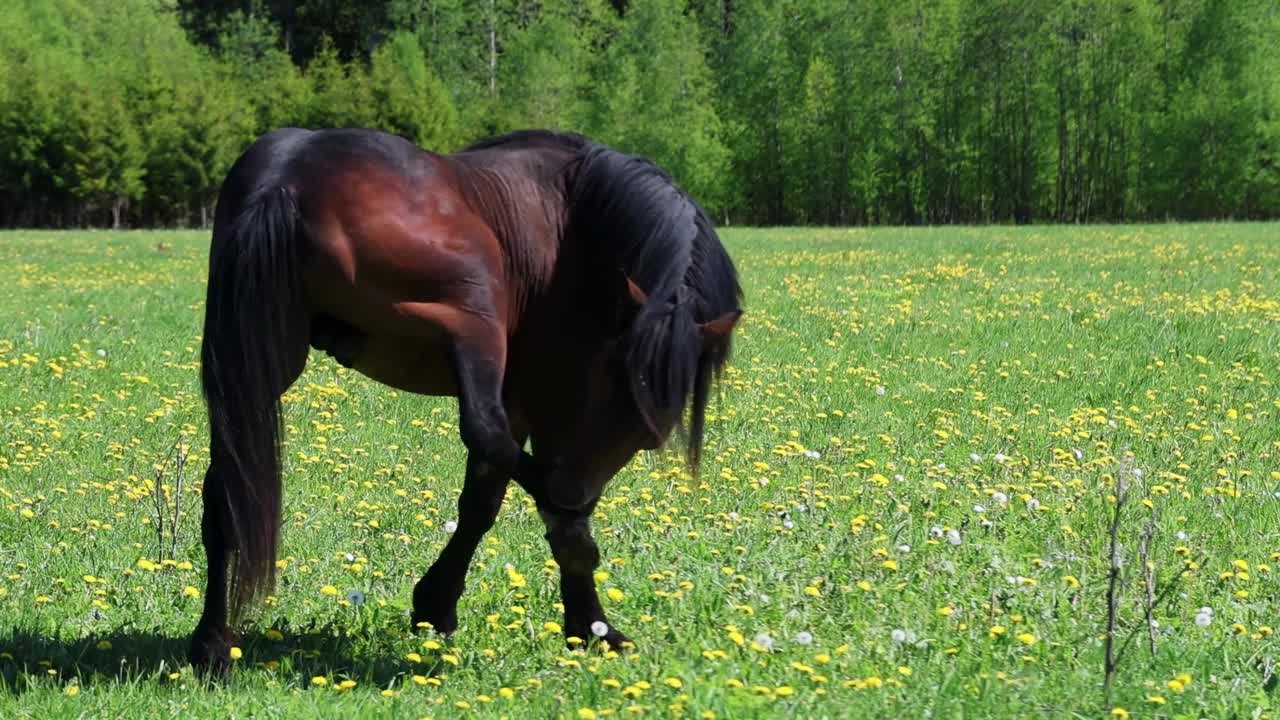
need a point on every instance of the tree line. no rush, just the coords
(129, 112)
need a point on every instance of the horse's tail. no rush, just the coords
(251, 312)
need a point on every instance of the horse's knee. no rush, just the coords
(488, 435)
(571, 543)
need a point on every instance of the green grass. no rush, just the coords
(893, 354)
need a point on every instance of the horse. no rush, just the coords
(571, 296)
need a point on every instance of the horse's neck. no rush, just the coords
(522, 201)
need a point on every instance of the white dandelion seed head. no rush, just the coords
(975, 457)
(764, 641)
(804, 638)
(349, 557)
(1181, 535)
(102, 353)
(792, 614)
(802, 508)
(1077, 453)
(900, 477)
(812, 454)
(935, 532)
(999, 498)
(947, 566)
(941, 466)
(1032, 504)
(1111, 423)
(880, 390)
(1204, 619)
(355, 597)
(1138, 472)
(788, 524)
(450, 527)
(599, 628)
(953, 537)
(733, 515)
(1001, 457)
(1205, 611)
(979, 509)
(904, 548)
(898, 635)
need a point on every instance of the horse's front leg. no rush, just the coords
(575, 550)
(435, 597)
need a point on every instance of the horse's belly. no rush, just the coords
(407, 364)
(413, 364)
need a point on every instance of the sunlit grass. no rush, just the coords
(903, 506)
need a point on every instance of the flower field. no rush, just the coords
(945, 465)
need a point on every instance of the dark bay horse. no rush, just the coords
(566, 293)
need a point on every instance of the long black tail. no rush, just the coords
(253, 298)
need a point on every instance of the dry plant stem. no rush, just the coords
(1149, 583)
(1113, 587)
(177, 458)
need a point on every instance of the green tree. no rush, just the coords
(655, 97)
(107, 154)
(408, 98)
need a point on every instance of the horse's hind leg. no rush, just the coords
(212, 640)
(435, 597)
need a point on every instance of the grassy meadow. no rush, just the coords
(912, 473)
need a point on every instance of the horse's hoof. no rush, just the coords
(210, 653)
(442, 621)
(612, 638)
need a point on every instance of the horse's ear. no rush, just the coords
(720, 328)
(638, 295)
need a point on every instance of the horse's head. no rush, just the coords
(652, 376)
(657, 360)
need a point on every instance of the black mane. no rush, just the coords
(664, 241)
(530, 138)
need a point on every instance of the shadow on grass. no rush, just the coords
(127, 656)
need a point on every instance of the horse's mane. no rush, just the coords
(530, 138)
(663, 240)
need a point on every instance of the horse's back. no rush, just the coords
(394, 260)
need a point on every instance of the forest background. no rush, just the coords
(129, 112)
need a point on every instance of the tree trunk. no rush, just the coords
(493, 48)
